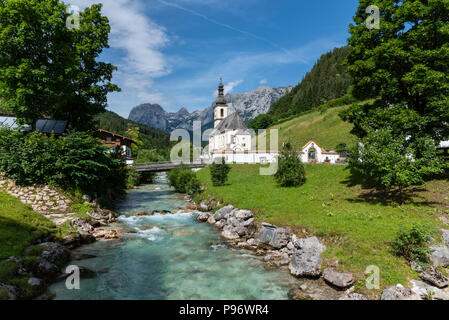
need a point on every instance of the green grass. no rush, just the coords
(356, 226)
(20, 226)
(328, 130)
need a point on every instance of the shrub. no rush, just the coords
(412, 243)
(291, 172)
(76, 161)
(219, 173)
(184, 180)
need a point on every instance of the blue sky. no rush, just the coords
(172, 52)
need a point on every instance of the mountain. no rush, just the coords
(248, 105)
(326, 81)
(251, 104)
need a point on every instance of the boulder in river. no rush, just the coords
(211, 220)
(221, 213)
(306, 257)
(243, 214)
(228, 233)
(204, 206)
(220, 224)
(337, 279)
(51, 260)
(203, 217)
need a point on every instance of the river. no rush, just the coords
(170, 257)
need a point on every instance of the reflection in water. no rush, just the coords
(170, 257)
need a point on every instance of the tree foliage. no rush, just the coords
(412, 244)
(404, 68)
(76, 161)
(184, 180)
(262, 121)
(326, 81)
(291, 172)
(391, 162)
(49, 70)
(219, 172)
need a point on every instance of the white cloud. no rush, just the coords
(263, 82)
(142, 41)
(229, 87)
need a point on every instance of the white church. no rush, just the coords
(232, 140)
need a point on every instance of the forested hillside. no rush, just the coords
(326, 81)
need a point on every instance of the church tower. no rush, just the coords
(221, 107)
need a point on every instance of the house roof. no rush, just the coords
(115, 134)
(232, 122)
(9, 122)
(49, 126)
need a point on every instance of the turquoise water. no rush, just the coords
(170, 257)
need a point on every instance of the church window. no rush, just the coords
(222, 112)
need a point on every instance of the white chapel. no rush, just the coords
(231, 140)
(230, 132)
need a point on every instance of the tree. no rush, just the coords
(390, 162)
(49, 70)
(291, 172)
(219, 173)
(262, 121)
(404, 68)
(134, 134)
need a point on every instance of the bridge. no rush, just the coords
(167, 166)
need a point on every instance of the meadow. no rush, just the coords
(356, 224)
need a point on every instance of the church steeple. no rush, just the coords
(221, 107)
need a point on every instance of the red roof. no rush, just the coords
(115, 135)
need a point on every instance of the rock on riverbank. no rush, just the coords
(279, 248)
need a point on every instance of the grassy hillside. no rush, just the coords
(356, 225)
(327, 129)
(20, 226)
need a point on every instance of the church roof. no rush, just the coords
(231, 123)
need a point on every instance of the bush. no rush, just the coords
(219, 173)
(412, 244)
(184, 180)
(291, 172)
(75, 161)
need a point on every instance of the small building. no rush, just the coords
(313, 153)
(117, 142)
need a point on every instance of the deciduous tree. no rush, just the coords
(50, 70)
